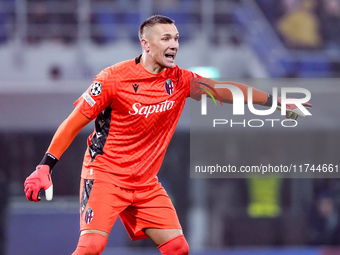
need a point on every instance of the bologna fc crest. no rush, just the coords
(88, 216)
(96, 89)
(169, 87)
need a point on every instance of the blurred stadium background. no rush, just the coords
(50, 50)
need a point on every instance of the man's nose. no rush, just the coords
(174, 44)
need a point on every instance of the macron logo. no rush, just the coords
(149, 109)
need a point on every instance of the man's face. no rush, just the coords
(162, 44)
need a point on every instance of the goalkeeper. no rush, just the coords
(136, 105)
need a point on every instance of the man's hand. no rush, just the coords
(292, 111)
(38, 180)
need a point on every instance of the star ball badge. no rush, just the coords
(96, 89)
(169, 87)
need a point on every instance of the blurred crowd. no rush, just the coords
(105, 20)
(305, 24)
(301, 24)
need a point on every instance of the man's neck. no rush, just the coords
(150, 65)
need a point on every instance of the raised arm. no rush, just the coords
(259, 97)
(227, 95)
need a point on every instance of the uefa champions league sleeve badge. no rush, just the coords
(96, 89)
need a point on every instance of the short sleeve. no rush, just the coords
(189, 78)
(98, 96)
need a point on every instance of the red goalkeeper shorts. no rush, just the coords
(102, 202)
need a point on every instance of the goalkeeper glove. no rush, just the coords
(40, 180)
(292, 111)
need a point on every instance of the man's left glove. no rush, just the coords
(39, 180)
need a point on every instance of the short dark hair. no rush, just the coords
(155, 19)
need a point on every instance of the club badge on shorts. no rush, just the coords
(88, 216)
(96, 89)
(169, 87)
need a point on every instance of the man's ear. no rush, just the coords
(145, 45)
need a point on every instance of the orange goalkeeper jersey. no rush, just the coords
(136, 115)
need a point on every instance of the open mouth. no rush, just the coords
(170, 56)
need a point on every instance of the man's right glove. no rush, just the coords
(40, 179)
